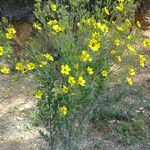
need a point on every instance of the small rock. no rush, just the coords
(19, 118)
(141, 108)
(147, 34)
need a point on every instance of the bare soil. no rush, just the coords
(17, 131)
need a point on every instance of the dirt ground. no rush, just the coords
(16, 103)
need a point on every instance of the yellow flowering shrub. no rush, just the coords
(5, 70)
(77, 55)
(7, 33)
(10, 34)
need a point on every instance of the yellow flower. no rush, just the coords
(71, 80)
(90, 70)
(63, 110)
(138, 24)
(1, 50)
(130, 37)
(119, 59)
(132, 49)
(30, 66)
(96, 35)
(5, 70)
(90, 21)
(37, 26)
(78, 24)
(105, 10)
(53, 7)
(9, 36)
(57, 28)
(10, 33)
(94, 45)
(76, 66)
(120, 28)
(117, 42)
(113, 52)
(104, 73)
(48, 57)
(11, 30)
(65, 89)
(19, 66)
(113, 23)
(43, 64)
(65, 69)
(81, 81)
(39, 94)
(127, 21)
(52, 22)
(24, 69)
(85, 56)
(119, 7)
(142, 60)
(121, 1)
(130, 81)
(103, 27)
(146, 42)
(131, 71)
